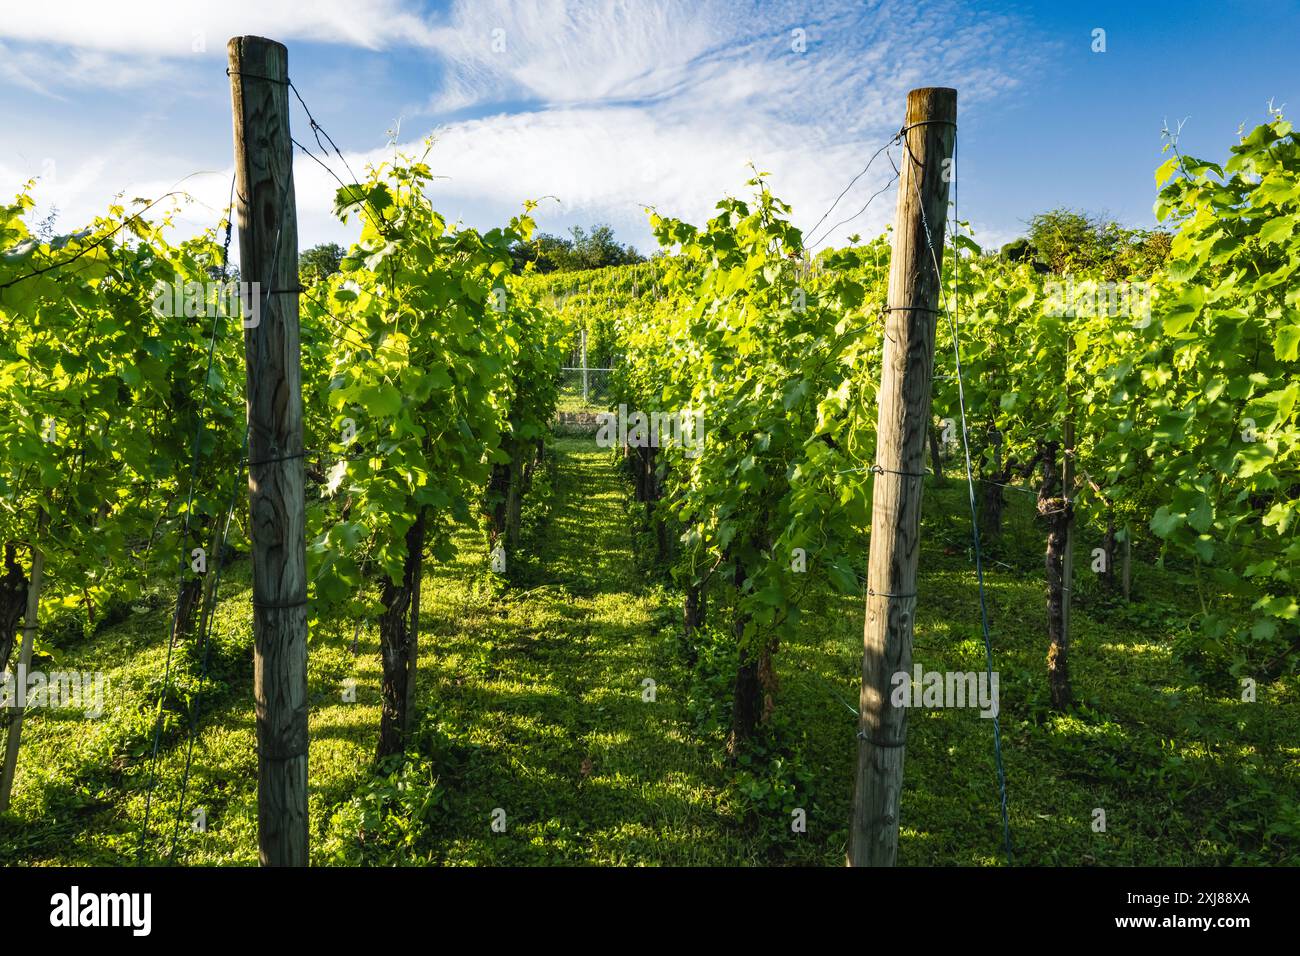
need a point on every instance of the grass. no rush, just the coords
(1184, 776)
(537, 742)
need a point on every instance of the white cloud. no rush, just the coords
(628, 101)
(571, 53)
(609, 163)
(169, 28)
(91, 43)
(667, 103)
(45, 70)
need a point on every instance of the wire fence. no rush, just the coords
(585, 390)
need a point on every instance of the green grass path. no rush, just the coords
(546, 684)
(531, 701)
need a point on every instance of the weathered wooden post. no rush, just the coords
(413, 641)
(1067, 559)
(1126, 574)
(585, 387)
(268, 256)
(907, 368)
(15, 722)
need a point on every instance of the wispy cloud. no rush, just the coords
(167, 28)
(54, 71)
(567, 54)
(668, 102)
(607, 105)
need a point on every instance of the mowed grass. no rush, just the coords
(1184, 775)
(538, 743)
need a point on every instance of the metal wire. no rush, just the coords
(970, 485)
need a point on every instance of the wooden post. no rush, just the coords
(907, 367)
(413, 636)
(268, 254)
(514, 493)
(1126, 576)
(936, 457)
(1054, 506)
(1067, 563)
(397, 644)
(15, 724)
(13, 600)
(585, 389)
(1110, 545)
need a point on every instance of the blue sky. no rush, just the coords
(608, 106)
